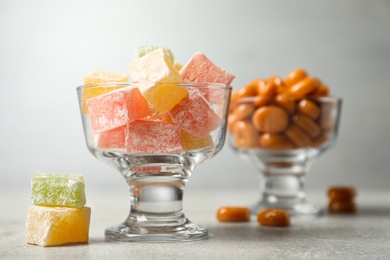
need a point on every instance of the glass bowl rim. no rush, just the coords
(330, 98)
(205, 85)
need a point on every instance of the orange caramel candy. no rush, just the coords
(295, 76)
(322, 138)
(244, 110)
(261, 100)
(270, 119)
(342, 199)
(248, 91)
(297, 136)
(341, 193)
(246, 135)
(321, 91)
(304, 87)
(275, 142)
(233, 214)
(307, 125)
(273, 218)
(286, 102)
(309, 108)
(268, 89)
(339, 206)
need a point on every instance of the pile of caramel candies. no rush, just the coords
(281, 114)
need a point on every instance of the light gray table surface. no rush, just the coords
(365, 235)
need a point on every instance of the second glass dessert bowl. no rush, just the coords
(282, 139)
(156, 148)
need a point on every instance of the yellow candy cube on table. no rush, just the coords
(162, 78)
(52, 226)
(98, 77)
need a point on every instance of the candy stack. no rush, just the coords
(59, 215)
(342, 200)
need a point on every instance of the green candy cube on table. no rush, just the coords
(58, 190)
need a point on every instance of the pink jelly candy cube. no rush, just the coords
(116, 108)
(114, 138)
(194, 114)
(157, 116)
(201, 69)
(153, 137)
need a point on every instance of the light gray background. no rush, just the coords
(46, 47)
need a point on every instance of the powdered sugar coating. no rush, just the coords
(194, 114)
(153, 137)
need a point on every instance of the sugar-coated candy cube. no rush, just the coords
(155, 66)
(98, 77)
(58, 190)
(190, 142)
(201, 69)
(158, 79)
(116, 108)
(153, 137)
(157, 116)
(143, 50)
(195, 115)
(164, 96)
(52, 226)
(114, 138)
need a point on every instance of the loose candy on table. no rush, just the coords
(273, 218)
(58, 190)
(52, 226)
(117, 108)
(233, 214)
(153, 137)
(98, 77)
(201, 69)
(341, 193)
(342, 199)
(194, 114)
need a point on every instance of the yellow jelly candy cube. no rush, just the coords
(190, 142)
(164, 96)
(98, 77)
(51, 226)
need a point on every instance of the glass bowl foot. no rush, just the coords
(188, 231)
(302, 209)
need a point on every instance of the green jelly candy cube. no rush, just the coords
(143, 50)
(58, 190)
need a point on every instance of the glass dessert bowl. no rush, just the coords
(156, 152)
(281, 136)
